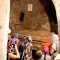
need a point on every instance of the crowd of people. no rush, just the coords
(50, 50)
(17, 50)
(22, 50)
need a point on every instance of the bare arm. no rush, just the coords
(11, 55)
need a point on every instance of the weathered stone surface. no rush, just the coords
(33, 20)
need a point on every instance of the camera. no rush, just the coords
(13, 45)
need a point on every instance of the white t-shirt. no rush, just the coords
(55, 44)
(57, 57)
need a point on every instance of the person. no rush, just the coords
(28, 49)
(12, 42)
(11, 56)
(43, 55)
(15, 39)
(45, 49)
(36, 55)
(55, 44)
(12, 49)
(21, 50)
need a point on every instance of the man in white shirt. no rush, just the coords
(55, 43)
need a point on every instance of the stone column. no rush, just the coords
(4, 26)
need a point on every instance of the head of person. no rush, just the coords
(15, 39)
(35, 56)
(39, 53)
(29, 38)
(16, 35)
(24, 37)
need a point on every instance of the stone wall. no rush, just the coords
(36, 19)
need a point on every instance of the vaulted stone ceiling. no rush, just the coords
(36, 19)
(50, 9)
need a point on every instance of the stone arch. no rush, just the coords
(51, 12)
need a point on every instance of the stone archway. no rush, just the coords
(51, 12)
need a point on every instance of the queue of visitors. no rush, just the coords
(22, 50)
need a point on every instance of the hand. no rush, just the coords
(16, 46)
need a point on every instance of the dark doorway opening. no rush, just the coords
(22, 16)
